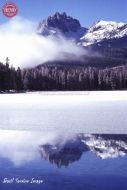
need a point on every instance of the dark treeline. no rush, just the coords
(10, 78)
(75, 78)
(62, 78)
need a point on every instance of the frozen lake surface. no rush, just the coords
(88, 112)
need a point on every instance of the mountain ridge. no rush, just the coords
(102, 33)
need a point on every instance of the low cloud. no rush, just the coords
(21, 147)
(24, 47)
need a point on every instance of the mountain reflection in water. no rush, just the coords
(61, 150)
(63, 161)
(103, 146)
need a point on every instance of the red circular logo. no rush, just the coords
(9, 9)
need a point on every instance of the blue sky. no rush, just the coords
(87, 11)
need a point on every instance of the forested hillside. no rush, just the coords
(61, 77)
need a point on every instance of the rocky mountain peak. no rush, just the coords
(61, 23)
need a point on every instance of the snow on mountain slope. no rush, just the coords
(109, 33)
(104, 30)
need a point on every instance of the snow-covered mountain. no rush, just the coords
(102, 33)
(104, 30)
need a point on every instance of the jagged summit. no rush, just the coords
(61, 23)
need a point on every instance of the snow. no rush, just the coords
(109, 148)
(78, 112)
(104, 30)
(110, 24)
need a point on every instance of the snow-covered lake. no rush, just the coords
(85, 112)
